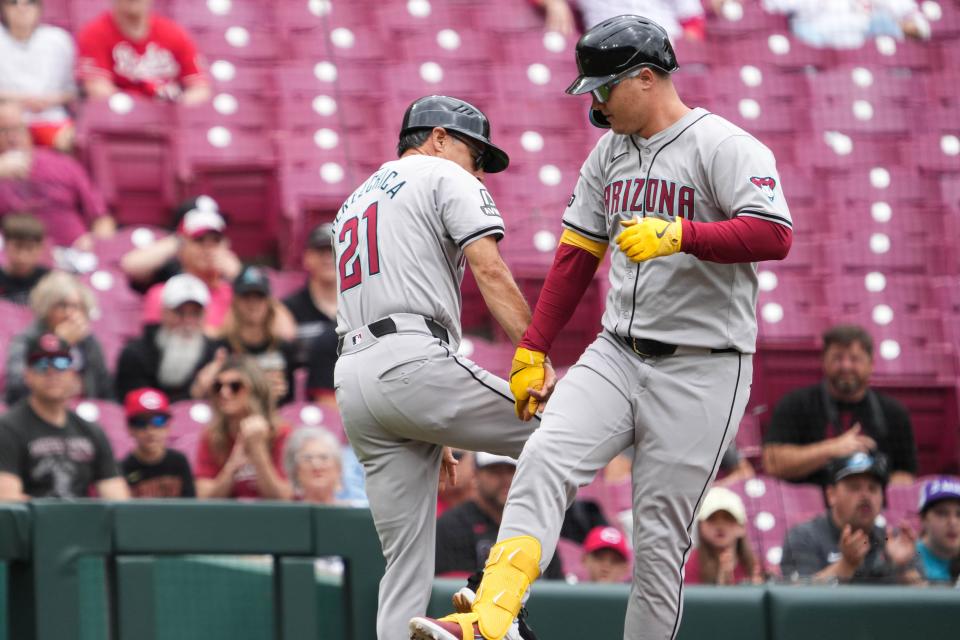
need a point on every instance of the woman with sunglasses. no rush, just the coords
(152, 470)
(241, 453)
(36, 71)
(251, 328)
(61, 304)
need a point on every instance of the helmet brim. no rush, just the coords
(497, 159)
(586, 84)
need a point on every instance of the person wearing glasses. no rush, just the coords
(47, 450)
(62, 305)
(175, 356)
(152, 470)
(241, 453)
(36, 70)
(686, 203)
(313, 461)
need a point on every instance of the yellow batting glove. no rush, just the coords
(645, 238)
(526, 373)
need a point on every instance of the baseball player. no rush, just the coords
(401, 241)
(688, 203)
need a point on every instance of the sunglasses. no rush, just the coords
(602, 93)
(235, 386)
(157, 421)
(479, 154)
(59, 363)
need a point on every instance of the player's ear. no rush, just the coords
(439, 138)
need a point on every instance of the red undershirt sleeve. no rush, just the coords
(741, 239)
(568, 279)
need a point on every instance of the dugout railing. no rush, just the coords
(89, 570)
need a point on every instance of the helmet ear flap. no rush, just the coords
(598, 120)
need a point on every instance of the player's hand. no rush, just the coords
(448, 469)
(528, 374)
(646, 238)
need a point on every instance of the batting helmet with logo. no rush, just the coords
(615, 47)
(459, 116)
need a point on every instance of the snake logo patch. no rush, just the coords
(766, 185)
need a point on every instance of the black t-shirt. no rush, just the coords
(169, 478)
(465, 535)
(52, 461)
(16, 289)
(804, 416)
(316, 339)
(139, 366)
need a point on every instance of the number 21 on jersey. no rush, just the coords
(351, 260)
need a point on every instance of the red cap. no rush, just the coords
(146, 400)
(606, 538)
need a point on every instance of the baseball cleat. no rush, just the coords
(432, 629)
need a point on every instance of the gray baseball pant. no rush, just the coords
(680, 412)
(402, 397)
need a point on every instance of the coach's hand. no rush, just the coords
(645, 238)
(531, 381)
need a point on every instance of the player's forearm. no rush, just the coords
(742, 239)
(503, 298)
(792, 461)
(569, 276)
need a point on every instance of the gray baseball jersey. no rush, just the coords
(399, 241)
(702, 168)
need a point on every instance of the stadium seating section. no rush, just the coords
(308, 97)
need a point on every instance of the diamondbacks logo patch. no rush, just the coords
(766, 185)
(488, 207)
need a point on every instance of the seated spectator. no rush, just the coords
(314, 464)
(847, 24)
(314, 307)
(36, 70)
(734, 467)
(838, 417)
(61, 305)
(249, 330)
(452, 495)
(131, 49)
(939, 544)
(23, 237)
(241, 453)
(175, 356)
(46, 450)
(50, 185)
(151, 469)
(466, 532)
(606, 555)
(722, 554)
(680, 18)
(162, 259)
(202, 243)
(845, 544)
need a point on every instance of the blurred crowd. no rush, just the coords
(213, 330)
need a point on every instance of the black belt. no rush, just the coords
(387, 326)
(655, 349)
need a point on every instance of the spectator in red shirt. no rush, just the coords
(50, 185)
(241, 453)
(131, 49)
(723, 554)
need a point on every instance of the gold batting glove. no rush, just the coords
(645, 238)
(526, 373)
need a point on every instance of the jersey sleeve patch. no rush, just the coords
(767, 186)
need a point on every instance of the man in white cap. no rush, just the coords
(173, 356)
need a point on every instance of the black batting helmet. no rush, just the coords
(456, 115)
(616, 46)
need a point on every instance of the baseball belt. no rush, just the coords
(646, 348)
(387, 326)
